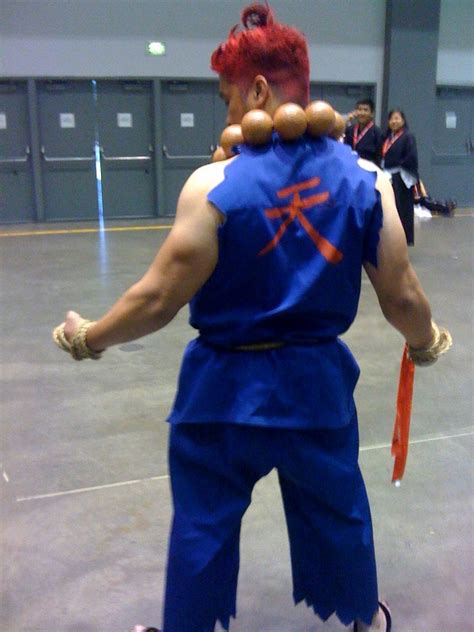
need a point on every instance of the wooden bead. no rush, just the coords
(257, 127)
(290, 121)
(339, 127)
(232, 135)
(321, 118)
(218, 155)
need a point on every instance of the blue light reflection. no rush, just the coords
(103, 254)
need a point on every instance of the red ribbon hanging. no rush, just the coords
(401, 430)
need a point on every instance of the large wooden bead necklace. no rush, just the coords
(290, 122)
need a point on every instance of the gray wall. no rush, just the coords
(100, 38)
(106, 38)
(456, 43)
(411, 39)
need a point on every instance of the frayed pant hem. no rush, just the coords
(345, 616)
(225, 621)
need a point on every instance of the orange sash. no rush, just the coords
(401, 430)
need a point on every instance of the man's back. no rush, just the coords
(300, 219)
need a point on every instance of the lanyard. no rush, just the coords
(358, 137)
(389, 142)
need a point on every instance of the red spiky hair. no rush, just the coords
(268, 48)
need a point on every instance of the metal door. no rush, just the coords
(125, 133)
(67, 139)
(344, 97)
(16, 178)
(452, 153)
(189, 111)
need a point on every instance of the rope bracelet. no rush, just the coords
(442, 342)
(77, 347)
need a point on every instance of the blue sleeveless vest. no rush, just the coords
(300, 219)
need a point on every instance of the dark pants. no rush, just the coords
(214, 468)
(405, 202)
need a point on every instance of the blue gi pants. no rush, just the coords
(214, 468)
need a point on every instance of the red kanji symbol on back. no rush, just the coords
(294, 211)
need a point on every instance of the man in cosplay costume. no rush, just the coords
(364, 136)
(268, 249)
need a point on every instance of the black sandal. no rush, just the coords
(388, 617)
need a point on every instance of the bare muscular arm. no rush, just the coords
(401, 297)
(183, 264)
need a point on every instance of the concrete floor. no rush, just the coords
(85, 493)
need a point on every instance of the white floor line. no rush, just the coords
(413, 441)
(5, 476)
(82, 490)
(91, 489)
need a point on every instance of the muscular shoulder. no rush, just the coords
(204, 179)
(193, 196)
(382, 182)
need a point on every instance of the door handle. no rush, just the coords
(65, 158)
(190, 157)
(122, 158)
(15, 160)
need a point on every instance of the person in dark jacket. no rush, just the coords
(400, 160)
(362, 134)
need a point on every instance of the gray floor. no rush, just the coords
(86, 503)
